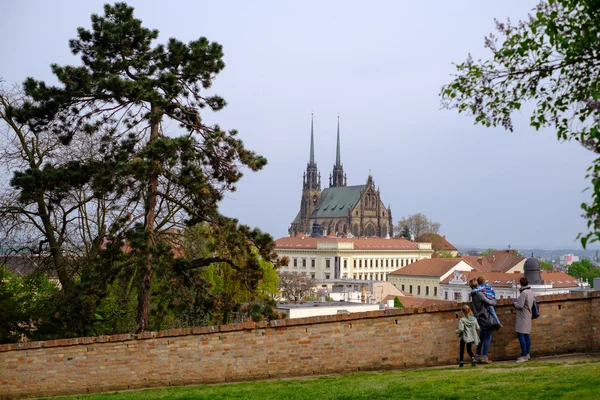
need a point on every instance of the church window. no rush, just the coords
(327, 264)
(435, 291)
(355, 212)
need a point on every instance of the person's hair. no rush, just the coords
(466, 310)
(473, 283)
(524, 281)
(481, 279)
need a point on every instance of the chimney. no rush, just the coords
(493, 258)
(480, 260)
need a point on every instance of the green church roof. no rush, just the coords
(336, 200)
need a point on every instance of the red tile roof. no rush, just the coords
(480, 263)
(503, 260)
(306, 242)
(428, 267)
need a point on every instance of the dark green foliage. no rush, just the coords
(549, 60)
(25, 301)
(398, 303)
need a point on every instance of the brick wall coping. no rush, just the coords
(250, 325)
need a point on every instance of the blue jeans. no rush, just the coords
(485, 337)
(494, 315)
(525, 342)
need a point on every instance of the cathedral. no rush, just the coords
(340, 209)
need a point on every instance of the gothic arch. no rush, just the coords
(369, 230)
(355, 229)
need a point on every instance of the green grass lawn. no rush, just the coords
(533, 380)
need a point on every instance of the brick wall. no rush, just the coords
(373, 340)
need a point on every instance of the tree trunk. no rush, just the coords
(145, 281)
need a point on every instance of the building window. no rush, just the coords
(295, 262)
(354, 263)
(376, 263)
(426, 290)
(387, 263)
(457, 296)
(327, 264)
(419, 289)
(359, 263)
(403, 288)
(304, 263)
(345, 263)
(312, 275)
(435, 291)
(371, 263)
(445, 295)
(397, 262)
(326, 276)
(410, 289)
(312, 263)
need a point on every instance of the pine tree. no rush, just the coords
(124, 91)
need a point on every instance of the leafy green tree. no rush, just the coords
(24, 302)
(549, 61)
(546, 266)
(584, 270)
(125, 91)
(398, 303)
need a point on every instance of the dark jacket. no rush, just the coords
(479, 302)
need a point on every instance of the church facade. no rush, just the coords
(340, 209)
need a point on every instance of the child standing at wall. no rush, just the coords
(467, 332)
(488, 292)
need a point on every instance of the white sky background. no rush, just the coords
(380, 65)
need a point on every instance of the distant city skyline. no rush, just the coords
(380, 66)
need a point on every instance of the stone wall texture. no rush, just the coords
(376, 340)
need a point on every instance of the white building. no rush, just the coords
(568, 259)
(315, 308)
(506, 285)
(349, 258)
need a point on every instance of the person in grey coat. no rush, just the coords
(479, 301)
(523, 322)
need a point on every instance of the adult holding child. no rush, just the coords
(523, 324)
(480, 310)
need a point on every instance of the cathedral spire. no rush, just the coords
(313, 179)
(312, 141)
(338, 177)
(338, 161)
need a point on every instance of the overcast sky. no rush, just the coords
(380, 65)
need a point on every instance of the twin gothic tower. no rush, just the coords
(340, 209)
